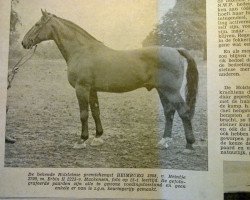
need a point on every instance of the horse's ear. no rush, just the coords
(44, 12)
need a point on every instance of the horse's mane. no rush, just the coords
(77, 28)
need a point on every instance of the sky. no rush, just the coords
(119, 24)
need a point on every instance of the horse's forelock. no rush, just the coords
(48, 15)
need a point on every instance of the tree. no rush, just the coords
(183, 26)
(14, 22)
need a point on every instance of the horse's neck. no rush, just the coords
(70, 41)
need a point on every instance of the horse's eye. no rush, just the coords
(36, 24)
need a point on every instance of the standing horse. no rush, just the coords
(93, 67)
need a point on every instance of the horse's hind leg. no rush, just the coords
(179, 104)
(94, 106)
(169, 117)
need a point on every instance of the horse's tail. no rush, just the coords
(192, 80)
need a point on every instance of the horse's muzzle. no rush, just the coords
(27, 46)
(24, 46)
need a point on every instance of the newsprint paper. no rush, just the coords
(132, 99)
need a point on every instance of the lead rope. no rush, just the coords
(15, 68)
(11, 76)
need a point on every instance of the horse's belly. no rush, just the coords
(123, 80)
(117, 87)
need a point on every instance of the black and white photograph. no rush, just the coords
(107, 84)
(236, 178)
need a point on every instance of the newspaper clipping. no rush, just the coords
(132, 99)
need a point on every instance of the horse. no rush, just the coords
(93, 67)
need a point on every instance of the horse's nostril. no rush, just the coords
(24, 46)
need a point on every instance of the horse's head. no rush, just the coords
(41, 31)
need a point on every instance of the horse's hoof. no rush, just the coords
(163, 143)
(188, 151)
(97, 142)
(79, 145)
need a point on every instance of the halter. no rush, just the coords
(42, 25)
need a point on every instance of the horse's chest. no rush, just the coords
(72, 78)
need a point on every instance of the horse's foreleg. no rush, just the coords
(82, 93)
(95, 110)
